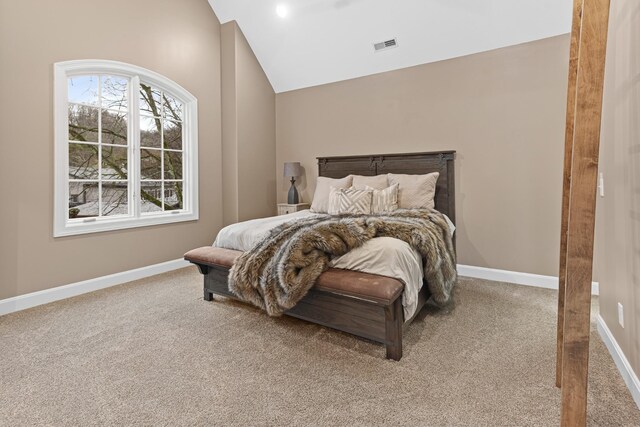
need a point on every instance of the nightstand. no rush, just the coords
(285, 208)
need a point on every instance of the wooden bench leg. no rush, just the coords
(208, 296)
(393, 326)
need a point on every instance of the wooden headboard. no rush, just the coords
(408, 163)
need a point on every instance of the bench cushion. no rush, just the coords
(208, 255)
(344, 282)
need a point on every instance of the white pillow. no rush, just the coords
(350, 201)
(384, 200)
(415, 191)
(320, 202)
(377, 182)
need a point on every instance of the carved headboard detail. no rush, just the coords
(407, 163)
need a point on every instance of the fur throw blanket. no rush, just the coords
(279, 270)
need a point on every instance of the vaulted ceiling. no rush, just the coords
(302, 43)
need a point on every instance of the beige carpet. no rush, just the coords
(152, 352)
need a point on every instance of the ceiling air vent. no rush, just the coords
(388, 44)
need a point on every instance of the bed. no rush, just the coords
(367, 305)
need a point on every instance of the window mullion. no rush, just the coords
(99, 146)
(134, 149)
(162, 165)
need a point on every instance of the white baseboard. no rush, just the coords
(628, 375)
(22, 302)
(527, 279)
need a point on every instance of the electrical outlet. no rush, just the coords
(621, 315)
(601, 184)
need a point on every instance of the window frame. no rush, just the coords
(63, 226)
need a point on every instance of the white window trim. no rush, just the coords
(62, 226)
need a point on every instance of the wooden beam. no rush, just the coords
(582, 204)
(566, 179)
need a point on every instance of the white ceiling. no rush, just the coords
(323, 41)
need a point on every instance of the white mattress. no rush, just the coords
(384, 256)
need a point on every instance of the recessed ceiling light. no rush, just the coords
(282, 11)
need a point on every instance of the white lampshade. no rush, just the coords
(292, 169)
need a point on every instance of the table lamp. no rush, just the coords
(292, 170)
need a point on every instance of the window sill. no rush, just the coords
(112, 224)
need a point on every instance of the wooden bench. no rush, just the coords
(362, 304)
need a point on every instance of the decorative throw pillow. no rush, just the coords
(415, 191)
(320, 202)
(377, 182)
(384, 200)
(350, 201)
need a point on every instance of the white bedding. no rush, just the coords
(384, 256)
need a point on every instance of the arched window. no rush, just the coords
(126, 146)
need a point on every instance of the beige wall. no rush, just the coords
(249, 136)
(229, 123)
(179, 39)
(618, 212)
(503, 111)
